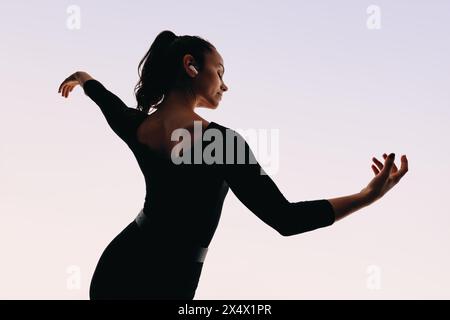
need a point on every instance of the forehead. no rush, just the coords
(216, 58)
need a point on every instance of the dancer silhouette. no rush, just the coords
(160, 254)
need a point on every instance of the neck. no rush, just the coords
(177, 103)
(176, 110)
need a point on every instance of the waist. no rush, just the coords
(182, 251)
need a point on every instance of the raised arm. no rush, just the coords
(122, 119)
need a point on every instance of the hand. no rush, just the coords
(68, 84)
(386, 176)
(78, 78)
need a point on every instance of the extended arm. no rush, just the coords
(122, 119)
(261, 195)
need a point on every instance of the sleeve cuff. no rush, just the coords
(89, 85)
(309, 215)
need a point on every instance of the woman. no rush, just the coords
(160, 254)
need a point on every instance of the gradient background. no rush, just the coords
(339, 93)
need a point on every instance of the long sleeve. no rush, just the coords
(123, 120)
(257, 191)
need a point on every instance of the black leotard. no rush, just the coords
(184, 202)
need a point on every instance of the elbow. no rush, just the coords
(282, 224)
(287, 230)
(284, 234)
(284, 227)
(282, 230)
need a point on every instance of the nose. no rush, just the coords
(224, 88)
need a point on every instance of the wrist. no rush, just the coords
(367, 196)
(82, 77)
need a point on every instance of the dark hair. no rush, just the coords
(162, 67)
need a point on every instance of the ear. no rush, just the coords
(190, 65)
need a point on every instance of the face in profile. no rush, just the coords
(209, 83)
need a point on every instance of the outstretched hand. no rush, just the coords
(77, 78)
(387, 175)
(68, 84)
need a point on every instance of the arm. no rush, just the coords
(343, 206)
(123, 120)
(260, 194)
(257, 191)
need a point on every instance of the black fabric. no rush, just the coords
(183, 203)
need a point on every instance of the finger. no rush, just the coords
(394, 167)
(63, 84)
(68, 90)
(65, 90)
(388, 165)
(378, 163)
(375, 170)
(403, 168)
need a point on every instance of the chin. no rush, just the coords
(209, 106)
(214, 105)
